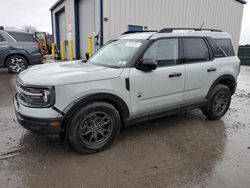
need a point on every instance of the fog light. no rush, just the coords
(55, 123)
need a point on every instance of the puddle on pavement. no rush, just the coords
(181, 150)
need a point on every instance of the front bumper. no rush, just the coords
(44, 126)
(37, 59)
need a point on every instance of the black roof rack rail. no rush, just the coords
(170, 30)
(144, 31)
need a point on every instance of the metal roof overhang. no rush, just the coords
(56, 4)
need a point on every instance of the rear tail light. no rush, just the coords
(39, 46)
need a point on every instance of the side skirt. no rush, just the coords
(163, 112)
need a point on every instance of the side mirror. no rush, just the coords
(147, 65)
(87, 55)
(84, 60)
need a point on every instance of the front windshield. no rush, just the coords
(116, 54)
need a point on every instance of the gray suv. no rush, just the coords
(18, 50)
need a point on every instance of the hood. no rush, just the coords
(66, 73)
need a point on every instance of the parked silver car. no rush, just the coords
(133, 78)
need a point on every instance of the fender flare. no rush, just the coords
(218, 80)
(114, 100)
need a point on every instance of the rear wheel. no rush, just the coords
(94, 127)
(218, 102)
(16, 64)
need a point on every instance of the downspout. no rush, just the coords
(101, 23)
(76, 15)
(58, 44)
(52, 23)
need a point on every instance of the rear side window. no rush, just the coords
(195, 50)
(1, 38)
(218, 52)
(226, 45)
(22, 37)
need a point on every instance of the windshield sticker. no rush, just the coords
(133, 44)
(122, 63)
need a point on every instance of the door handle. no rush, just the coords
(175, 74)
(211, 69)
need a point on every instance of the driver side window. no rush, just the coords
(164, 51)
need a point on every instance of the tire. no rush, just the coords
(98, 120)
(218, 103)
(16, 64)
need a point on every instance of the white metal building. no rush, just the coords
(76, 19)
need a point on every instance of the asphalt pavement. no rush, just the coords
(183, 150)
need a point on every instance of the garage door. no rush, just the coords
(86, 23)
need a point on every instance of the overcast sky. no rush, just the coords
(18, 13)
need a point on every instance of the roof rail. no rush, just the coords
(144, 31)
(15, 29)
(170, 30)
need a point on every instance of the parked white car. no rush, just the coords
(133, 78)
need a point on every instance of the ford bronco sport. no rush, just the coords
(133, 78)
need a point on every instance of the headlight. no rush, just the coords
(36, 97)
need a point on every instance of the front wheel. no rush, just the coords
(16, 64)
(94, 127)
(218, 102)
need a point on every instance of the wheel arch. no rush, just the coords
(13, 54)
(227, 80)
(112, 99)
